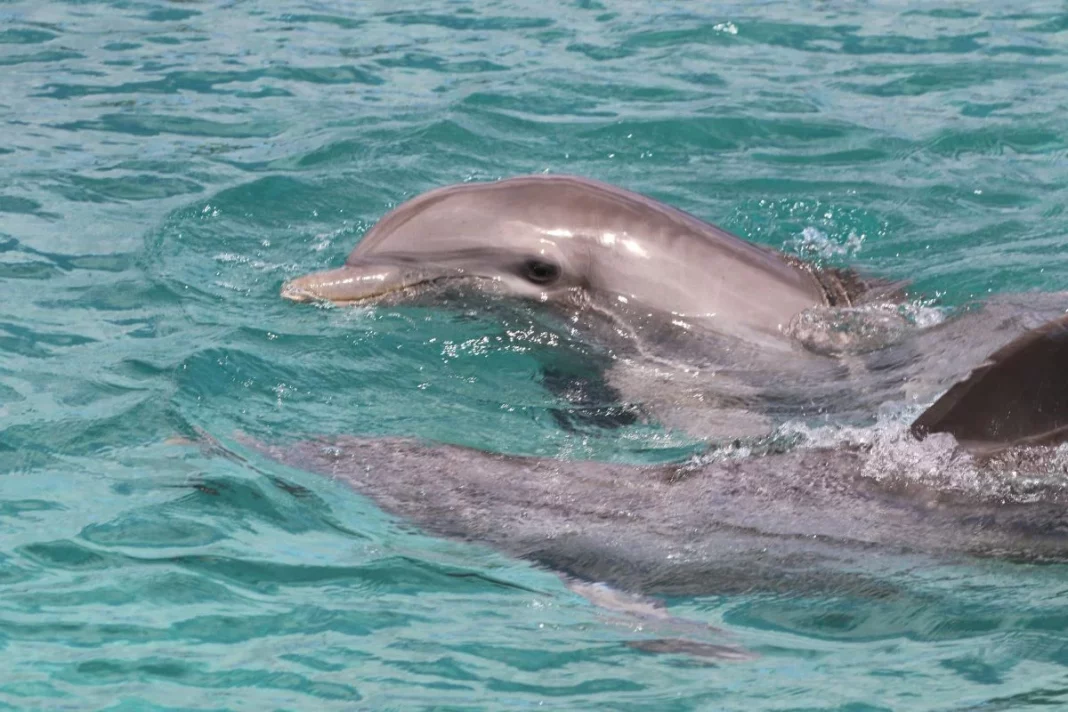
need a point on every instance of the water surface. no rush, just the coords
(164, 166)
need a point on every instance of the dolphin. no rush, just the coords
(755, 338)
(695, 297)
(559, 238)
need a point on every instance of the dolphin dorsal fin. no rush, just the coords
(1018, 396)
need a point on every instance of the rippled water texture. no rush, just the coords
(164, 166)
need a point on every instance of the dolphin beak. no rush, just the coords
(351, 283)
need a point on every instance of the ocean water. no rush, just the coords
(164, 166)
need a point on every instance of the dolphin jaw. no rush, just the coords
(296, 292)
(348, 285)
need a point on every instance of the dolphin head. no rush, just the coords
(488, 235)
(560, 238)
(451, 245)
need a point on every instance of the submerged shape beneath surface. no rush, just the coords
(810, 519)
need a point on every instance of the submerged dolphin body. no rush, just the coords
(734, 322)
(840, 518)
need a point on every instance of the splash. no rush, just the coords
(814, 244)
(895, 458)
(863, 328)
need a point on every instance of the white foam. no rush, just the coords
(814, 243)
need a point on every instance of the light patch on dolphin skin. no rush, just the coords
(634, 247)
(631, 245)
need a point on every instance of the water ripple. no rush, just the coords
(165, 166)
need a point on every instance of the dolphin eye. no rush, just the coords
(540, 272)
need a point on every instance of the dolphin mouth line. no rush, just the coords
(297, 294)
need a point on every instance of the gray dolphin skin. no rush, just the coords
(729, 341)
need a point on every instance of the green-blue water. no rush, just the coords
(165, 165)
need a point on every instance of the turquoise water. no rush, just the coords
(164, 166)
